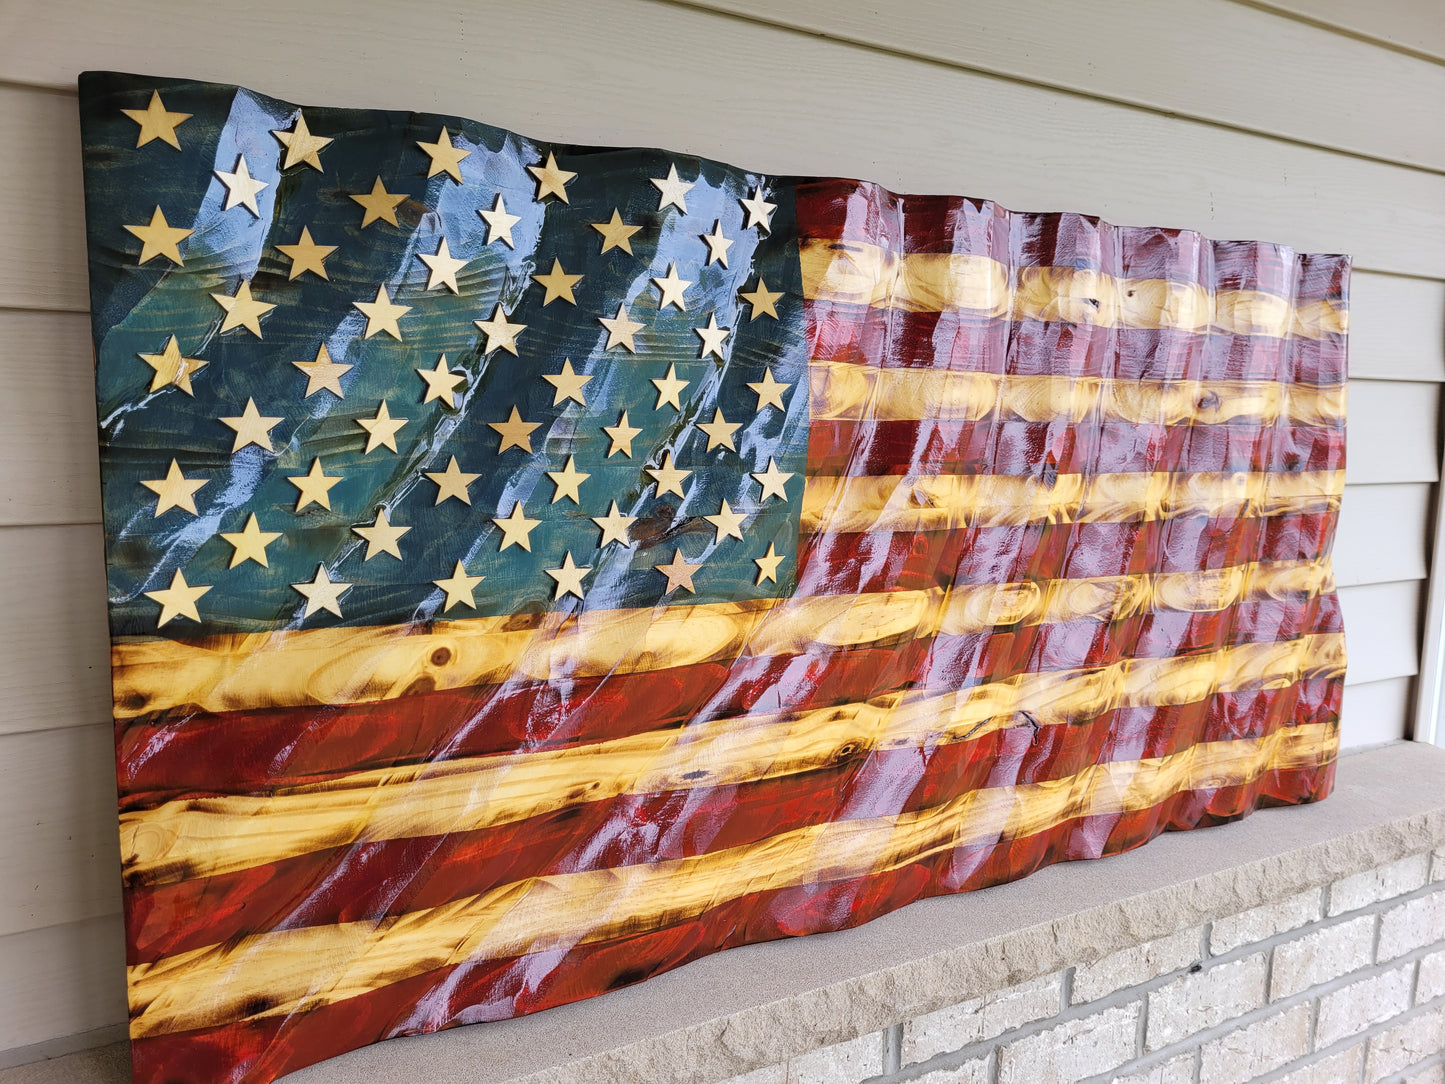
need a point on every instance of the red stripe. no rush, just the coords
(833, 564)
(259, 1051)
(1022, 449)
(895, 338)
(865, 212)
(369, 880)
(250, 752)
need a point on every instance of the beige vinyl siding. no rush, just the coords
(1220, 116)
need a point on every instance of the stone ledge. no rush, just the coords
(761, 1004)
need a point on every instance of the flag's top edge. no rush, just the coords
(96, 84)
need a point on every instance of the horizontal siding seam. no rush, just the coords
(1342, 31)
(914, 56)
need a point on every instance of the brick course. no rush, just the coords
(1344, 983)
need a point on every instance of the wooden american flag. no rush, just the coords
(533, 567)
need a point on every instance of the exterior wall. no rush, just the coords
(1319, 988)
(1313, 123)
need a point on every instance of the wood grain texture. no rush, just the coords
(203, 987)
(61, 979)
(201, 838)
(1025, 146)
(1249, 69)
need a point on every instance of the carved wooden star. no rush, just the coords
(443, 267)
(301, 146)
(241, 188)
(568, 383)
(768, 564)
(622, 436)
(729, 524)
(314, 486)
(452, 482)
(249, 544)
(500, 223)
(160, 238)
(382, 314)
(445, 157)
(459, 587)
(322, 593)
(172, 368)
(175, 490)
(251, 428)
(567, 480)
(306, 255)
(717, 245)
(501, 333)
(669, 476)
(764, 302)
(679, 573)
(551, 180)
(568, 577)
(179, 599)
(621, 330)
(773, 481)
(669, 387)
(614, 526)
(381, 537)
(558, 284)
(671, 288)
(242, 310)
(719, 431)
(323, 374)
(760, 211)
(516, 529)
(515, 432)
(381, 430)
(156, 122)
(672, 190)
(379, 203)
(441, 382)
(712, 337)
(769, 390)
(616, 233)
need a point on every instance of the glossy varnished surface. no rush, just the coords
(1055, 577)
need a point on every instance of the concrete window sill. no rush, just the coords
(762, 1004)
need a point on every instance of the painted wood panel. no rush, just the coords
(789, 103)
(56, 793)
(49, 470)
(1210, 59)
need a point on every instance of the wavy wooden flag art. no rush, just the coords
(533, 567)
